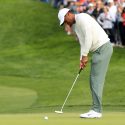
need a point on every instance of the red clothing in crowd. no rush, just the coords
(123, 16)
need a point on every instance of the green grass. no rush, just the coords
(13, 99)
(113, 118)
(38, 63)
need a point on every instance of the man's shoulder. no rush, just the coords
(81, 16)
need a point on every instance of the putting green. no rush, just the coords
(112, 118)
(13, 99)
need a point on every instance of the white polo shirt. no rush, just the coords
(90, 34)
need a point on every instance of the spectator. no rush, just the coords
(58, 3)
(98, 9)
(72, 6)
(81, 9)
(123, 27)
(119, 24)
(87, 2)
(80, 2)
(122, 3)
(105, 20)
(90, 9)
(114, 27)
(112, 11)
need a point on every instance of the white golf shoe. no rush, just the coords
(91, 114)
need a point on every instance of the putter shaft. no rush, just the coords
(69, 92)
(61, 111)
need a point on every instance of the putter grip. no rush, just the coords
(80, 70)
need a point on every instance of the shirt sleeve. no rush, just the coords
(85, 37)
(100, 19)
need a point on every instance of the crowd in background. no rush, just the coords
(110, 14)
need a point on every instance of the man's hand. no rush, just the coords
(83, 62)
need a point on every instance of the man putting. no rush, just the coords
(92, 38)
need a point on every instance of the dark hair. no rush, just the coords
(123, 11)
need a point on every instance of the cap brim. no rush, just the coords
(62, 22)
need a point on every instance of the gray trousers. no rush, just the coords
(99, 65)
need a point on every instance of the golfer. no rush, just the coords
(92, 38)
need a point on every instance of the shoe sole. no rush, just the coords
(90, 117)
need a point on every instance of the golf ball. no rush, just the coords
(46, 117)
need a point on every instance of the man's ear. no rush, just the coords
(69, 13)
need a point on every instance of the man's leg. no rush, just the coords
(99, 66)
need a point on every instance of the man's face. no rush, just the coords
(69, 20)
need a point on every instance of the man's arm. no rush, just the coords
(84, 34)
(85, 42)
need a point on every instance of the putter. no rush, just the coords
(61, 111)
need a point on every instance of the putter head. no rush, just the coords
(58, 112)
